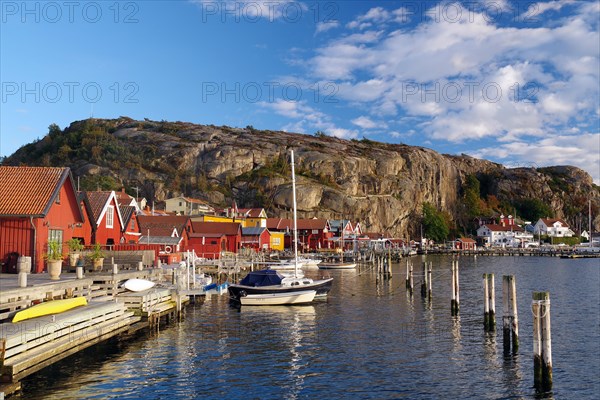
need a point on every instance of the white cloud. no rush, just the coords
(376, 15)
(578, 150)
(308, 119)
(365, 122)
(325, 26)
(534, 10)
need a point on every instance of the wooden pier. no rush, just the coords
(30, 345)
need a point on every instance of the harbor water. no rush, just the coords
(370, 340)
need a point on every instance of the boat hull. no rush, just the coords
(49, 308)
(337, 265)
(276, 299)
(321, 287)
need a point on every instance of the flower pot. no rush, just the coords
(73, 258)
(97, 263)
(54, 269)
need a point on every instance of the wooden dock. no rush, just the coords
(28, 346)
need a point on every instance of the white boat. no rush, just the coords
(271, 282)
(340, 265)
(137, 285)
(274, 299)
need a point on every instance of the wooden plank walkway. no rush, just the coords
(28, 346)
(33, 344)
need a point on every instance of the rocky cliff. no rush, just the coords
(381, 185)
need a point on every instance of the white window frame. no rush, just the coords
(110, 216)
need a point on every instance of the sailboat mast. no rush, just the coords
(295, 217)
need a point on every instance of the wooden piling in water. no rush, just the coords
(486, 303)
(389, 270)
(429, 285)
(424, 281)
(455, 302)
(510, 320)
(409, 276)
(489, 302)
(542, 343)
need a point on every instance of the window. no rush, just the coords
(180, 204)
(57, 201)
(55, 234)
(132, 226)
(276, 241)
(110, 213)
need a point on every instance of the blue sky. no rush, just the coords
(513, 82)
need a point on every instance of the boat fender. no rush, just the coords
(243, 293)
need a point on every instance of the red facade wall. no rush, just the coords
(103, 234)
(131, 228)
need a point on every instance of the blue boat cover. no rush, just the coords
(264, 277)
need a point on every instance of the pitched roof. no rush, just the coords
(253, 231)
(279, 224)
(282, 224)
(30, 191)
(97, 203)
(466, 240)
(252, 212)
(166, 240)
(505, 228)
(551, 221)
(162, 225)
(227, 228)
(127, 212)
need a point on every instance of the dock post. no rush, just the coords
(140, 266)
(510, 320)
(424, 281)
(542, 346)
(455, 302)
(79, 272)
(489, 302)
(407, 276)
(410, 279)
(22, 279)
(429, 285)
(486, 304)
(115, 269)
(389, 271)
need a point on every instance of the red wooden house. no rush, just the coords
(312, 233)
(257, 238)
(131, 229)
(169, 231)
(206, 230)
(103, 212)
(37, 204)
(465, 244)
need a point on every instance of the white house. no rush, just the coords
(188, 206)
(552, 227)
(496, 235)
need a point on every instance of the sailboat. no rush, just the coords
(267, 286)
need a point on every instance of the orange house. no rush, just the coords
(37, 204)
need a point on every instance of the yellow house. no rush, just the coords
(215, 218)
(253, 217)
(277, 241)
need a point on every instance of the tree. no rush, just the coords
(435, 226)
(471, 189)
(533, 209)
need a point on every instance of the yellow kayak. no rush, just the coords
(49, 308)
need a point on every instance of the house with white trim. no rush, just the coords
(552, 227)
(505, 234)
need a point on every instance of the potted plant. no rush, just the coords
(97, 257)
(75, 247)
(54, 259)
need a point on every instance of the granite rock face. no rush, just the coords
(381, 185)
